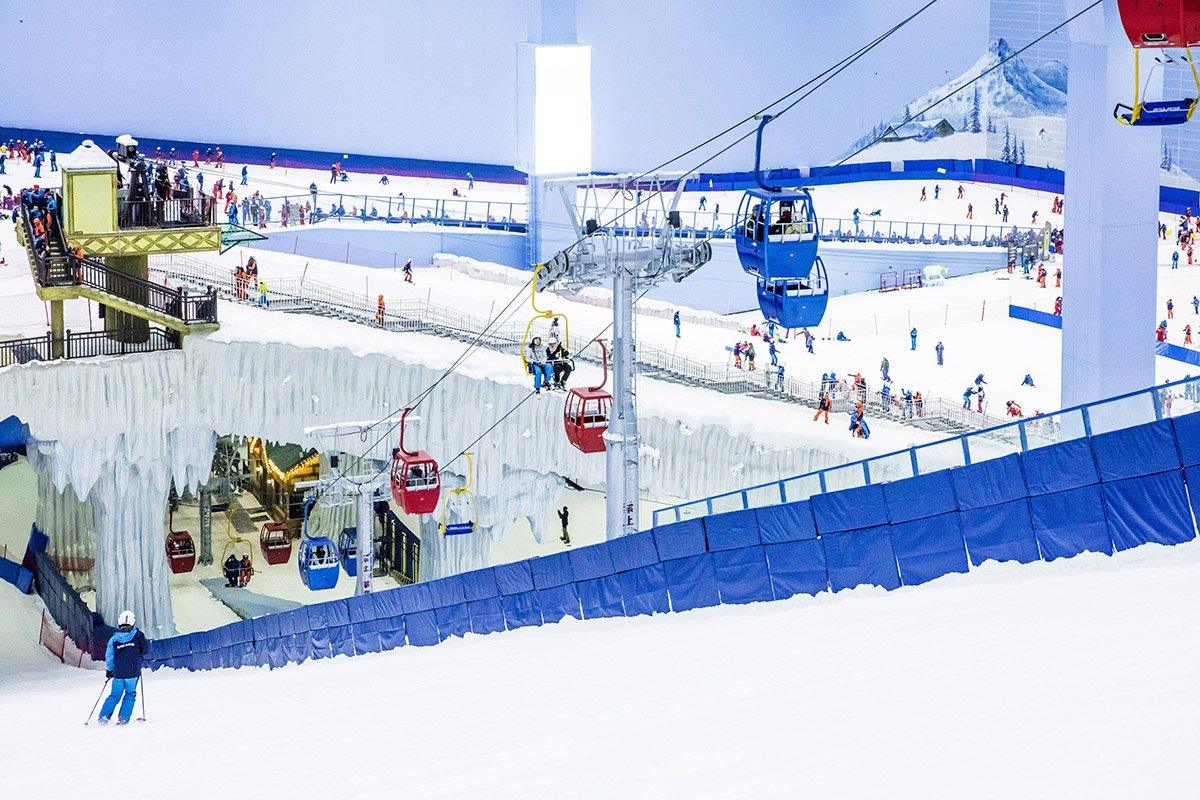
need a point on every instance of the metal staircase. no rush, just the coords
(59, 276)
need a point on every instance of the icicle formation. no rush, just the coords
(136, 423)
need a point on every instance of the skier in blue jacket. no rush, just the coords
(123, 664)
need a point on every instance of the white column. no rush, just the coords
(1111, 218)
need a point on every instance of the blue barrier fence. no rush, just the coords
(1033, 315)
(85, 627)
(18, 576)
(1018, 436)
(1178, 352)
(1099, 493)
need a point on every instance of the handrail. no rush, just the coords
(87, 344)
(1020, 435)
(295, 294)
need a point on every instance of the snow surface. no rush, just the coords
(1067, 679)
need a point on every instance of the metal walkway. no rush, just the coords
(418, 316)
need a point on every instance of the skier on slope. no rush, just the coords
(940, 349)
(1195, 304)
(123, 665)
(913, 336)
(675, 320)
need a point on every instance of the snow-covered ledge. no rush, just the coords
(119, 430)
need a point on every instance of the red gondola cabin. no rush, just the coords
(585, 414)
(416, 484)
(181, 552)
(275, 541)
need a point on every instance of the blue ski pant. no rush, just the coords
(124, 691)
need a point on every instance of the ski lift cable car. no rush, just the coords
(777, 237)
(416, 485)
(347, 546)
(181, 549)
(1157, 25)
(317, 559)
(539, 314)
(776, 231)
(275, 542)
(464, 497)
(586, 412)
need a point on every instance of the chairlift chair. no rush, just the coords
(462, 498)
(1158, 25)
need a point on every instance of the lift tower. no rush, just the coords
(630, 255)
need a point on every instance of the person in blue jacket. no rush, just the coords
(37, 165)
(123, 664)
(53, 161)
(913, 335)
(245, 174)
(675, 319)
(940, 350)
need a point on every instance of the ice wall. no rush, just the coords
(134, 424)
(69, 523)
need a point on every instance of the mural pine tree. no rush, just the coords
(975, 113)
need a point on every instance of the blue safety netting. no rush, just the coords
(1069, 523)
(929, 548)
(13, 435)
(644, 590)
(18, 576)
(521, 610)
(480, 584)
(742, 575)
(1067, 465)
(797, 568)
(551, 571)
(558, 602)
(601, 597)
(486, 614)
(922, 496)
(989, 483)
(680, 539)
(1150, 508)
(850, 509)
(421, 628)
(447, 591)
(594, 561)
(634, 551)
(1187, 436)
(452, 620)
(733, 530)
(862, 556)
(514, 578)
(790, 522)
(691, 582)
(1143, 450)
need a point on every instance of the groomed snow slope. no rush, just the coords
(1067, 679)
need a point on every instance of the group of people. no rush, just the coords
(238, 570)
(34, 152)
(549, 363)
(246, 280)
(42, 207)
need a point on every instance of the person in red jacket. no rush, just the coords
(1187, 334)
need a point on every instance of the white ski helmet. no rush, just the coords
(126, 618)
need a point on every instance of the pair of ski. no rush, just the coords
(141, 691)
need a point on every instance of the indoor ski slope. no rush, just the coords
(1068, 679)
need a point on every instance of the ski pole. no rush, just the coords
(142, 686)
(93, 711)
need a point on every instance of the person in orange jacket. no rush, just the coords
(824, 407)
(379, 312)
